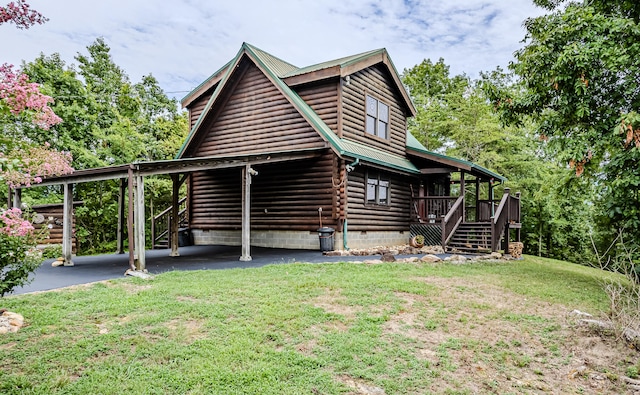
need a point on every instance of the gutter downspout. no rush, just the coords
(349, 168)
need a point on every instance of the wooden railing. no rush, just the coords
(431, 209)
(161, 224)
(508, 212)
(484, 212)
(452, 220)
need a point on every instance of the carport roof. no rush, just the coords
(177, 166)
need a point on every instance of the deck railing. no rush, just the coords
(431, 209)
(452, 220)
(508, 212)
(486, 209)
(161, 224)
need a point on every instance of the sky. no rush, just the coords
(182, 42)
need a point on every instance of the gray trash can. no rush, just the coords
(326, 238)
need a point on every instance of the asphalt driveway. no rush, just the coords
(88, 269)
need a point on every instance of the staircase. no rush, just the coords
(471, 237)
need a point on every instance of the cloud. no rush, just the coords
(184, 41)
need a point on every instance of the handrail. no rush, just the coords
(431, 208)
(508, 212)
(161, 225)
(452, 220)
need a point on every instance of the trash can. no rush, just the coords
(326, 238)
(184, 237)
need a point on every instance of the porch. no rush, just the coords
(479, 225)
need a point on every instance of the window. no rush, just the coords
(377, 122)
(377, 189)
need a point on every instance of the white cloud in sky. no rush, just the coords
(182, 42)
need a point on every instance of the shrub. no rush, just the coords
(19, 256)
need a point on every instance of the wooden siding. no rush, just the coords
(53, 215)
(363, 217)
(284, 196)
(198, 105)
(323, 99)
(255, 118)
(377, 82)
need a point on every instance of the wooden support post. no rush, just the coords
(175, 215)
(9, 192)
(139, 223)
(246, 213)
(130, 236)
(67, 225)
(120, 235)
(493, 207)
(463, 193)
(477, 218)
(17, 198)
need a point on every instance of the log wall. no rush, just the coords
(284, 196)
(254, 118)
(364, 217)
(53, 215)
(377, 82)
(323, 99)
(198, 105)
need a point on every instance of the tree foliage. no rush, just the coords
(579, 69)
(107, 120)
(455, 117)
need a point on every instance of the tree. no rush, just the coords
(22, 163)
(108, 120)
(21, 14)
(579, 68)
(454, 114)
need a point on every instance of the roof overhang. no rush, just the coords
(178, 166)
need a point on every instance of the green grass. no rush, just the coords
(281, 329)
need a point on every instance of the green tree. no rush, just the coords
(456, 115)
(107, 120)
(579, 68)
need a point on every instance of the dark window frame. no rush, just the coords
(373, 122)
(381, 191)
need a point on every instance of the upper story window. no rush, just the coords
(377, 118)
(377, 189)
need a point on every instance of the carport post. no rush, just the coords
(120, 235)
(175, 215)
(246, 213)
(67, 224)
(139, 223)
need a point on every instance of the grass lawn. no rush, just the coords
(343, 328)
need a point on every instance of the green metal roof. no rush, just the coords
(276, 69)
(414, 144)
(332, 63)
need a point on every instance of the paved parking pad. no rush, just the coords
(88, 269)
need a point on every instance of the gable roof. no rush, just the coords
(279, 72)
(275, 68)
(293, 75)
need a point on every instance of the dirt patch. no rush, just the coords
(360, 387)
(187, 330)
(333, 302)
(490, 340)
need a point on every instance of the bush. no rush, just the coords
(19, 256)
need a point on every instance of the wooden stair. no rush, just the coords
(471, 237)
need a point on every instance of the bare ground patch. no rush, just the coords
(478, 338)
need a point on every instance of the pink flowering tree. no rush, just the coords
(19, 256)
(22, 104)
(21, 14)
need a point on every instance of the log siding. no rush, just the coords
(255, 118)
(376, 82)
(366, 217)
(284, 196)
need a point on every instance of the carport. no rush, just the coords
(131, 178)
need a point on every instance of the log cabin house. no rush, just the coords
(275, 152)
(351, 163)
